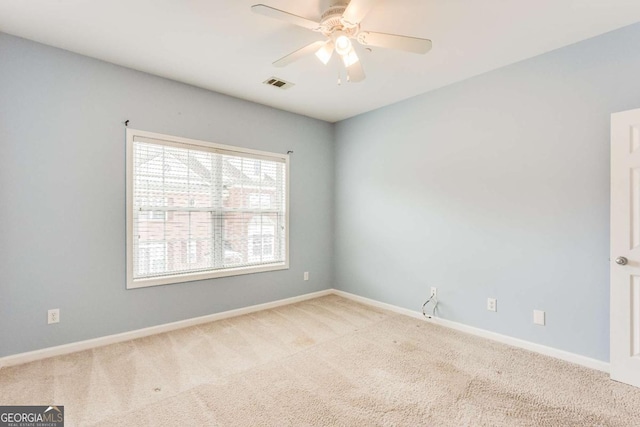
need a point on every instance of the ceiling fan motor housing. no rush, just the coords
(331, 21)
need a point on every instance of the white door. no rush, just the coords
(625, 247)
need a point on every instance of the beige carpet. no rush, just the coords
(327, 361)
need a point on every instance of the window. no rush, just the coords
(151, 214)
(261, 232)
(193, 251)
(151, 257)
(198, 210)
(257, 200)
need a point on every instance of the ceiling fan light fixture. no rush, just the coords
(343, 45)
(325, 53)
(350, 58)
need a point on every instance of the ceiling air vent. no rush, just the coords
(279, 83)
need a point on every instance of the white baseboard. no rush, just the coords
(515, 342)
(17, 359)
(375, 303)
(44, 353)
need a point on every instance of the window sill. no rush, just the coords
(190, 277)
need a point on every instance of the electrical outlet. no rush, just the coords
(53, 316)
(306, 275)
(538, 317)
(434, 292)
(492, 304)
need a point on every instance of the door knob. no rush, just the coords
(621, 260)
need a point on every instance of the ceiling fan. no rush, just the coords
(340, 23)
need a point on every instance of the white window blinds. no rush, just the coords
(199, 210)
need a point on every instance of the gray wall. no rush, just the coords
(62, 187)
(494, 187)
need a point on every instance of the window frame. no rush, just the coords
(133, 283)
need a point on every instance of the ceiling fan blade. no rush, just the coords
(294, 56)
(350, 58)
(262, 9)
(357, 10)
(355, 72)
(394, 41)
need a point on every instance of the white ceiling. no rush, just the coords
(223, 46)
